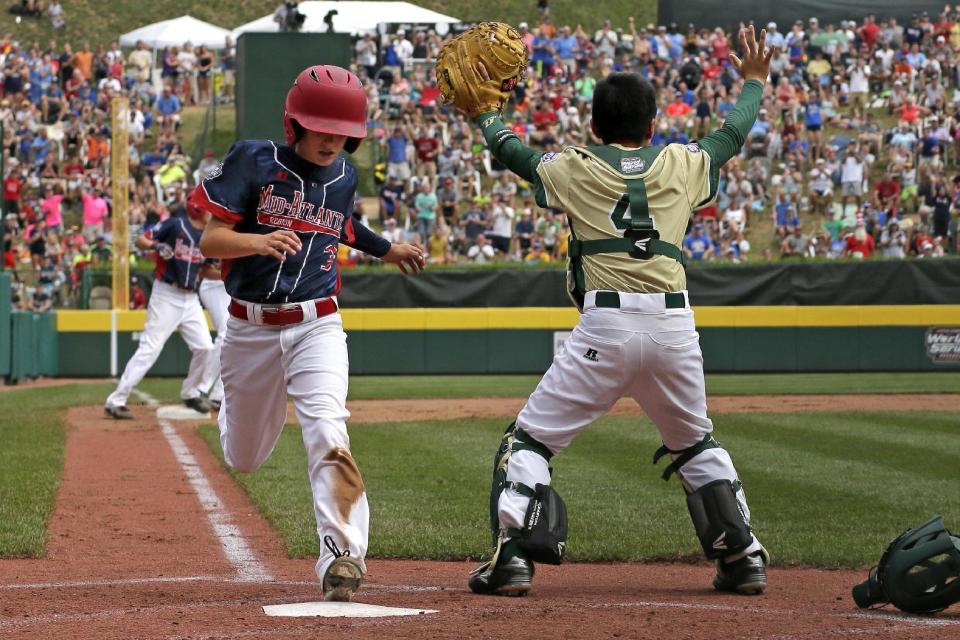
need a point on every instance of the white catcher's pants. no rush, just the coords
(655, 358)
(215, 300)
(260, 365)
(169, 308)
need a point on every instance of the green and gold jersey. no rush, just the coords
(590, 185)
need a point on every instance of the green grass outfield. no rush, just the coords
(825, 489)
(825, 460)
(31, 461)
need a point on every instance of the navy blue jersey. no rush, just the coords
(183, 269)
(262, 187)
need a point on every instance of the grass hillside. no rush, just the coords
(101, 21)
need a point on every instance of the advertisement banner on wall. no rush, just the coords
(943, 344)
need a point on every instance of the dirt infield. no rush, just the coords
(133, 553)
(445, 409)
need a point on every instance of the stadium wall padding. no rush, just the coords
(521, 340)
(729, 14)
(870, 316)
(887, 282)
(267, 64)
(4, 324)
(35, 345)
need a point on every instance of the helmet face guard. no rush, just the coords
(327, 99)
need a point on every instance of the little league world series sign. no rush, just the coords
(943, 344)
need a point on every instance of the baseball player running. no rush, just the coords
(279, 214)
(173, 304)
(629, 206)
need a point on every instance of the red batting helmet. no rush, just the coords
(327, 99)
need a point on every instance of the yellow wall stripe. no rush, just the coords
(564, 318)
(72, 320)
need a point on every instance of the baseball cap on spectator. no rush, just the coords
(814, 21)
(522, 25)
(771, 25)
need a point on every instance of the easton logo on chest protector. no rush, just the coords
(297, 214)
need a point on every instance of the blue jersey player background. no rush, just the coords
(174, 304)
(280, 212)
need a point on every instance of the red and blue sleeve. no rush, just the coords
(356, 235)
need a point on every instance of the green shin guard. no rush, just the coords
(514, 439)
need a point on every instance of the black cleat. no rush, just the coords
(747, 576)
(511, 576)
(118, 413)
(198, 404)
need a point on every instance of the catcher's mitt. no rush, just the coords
(503, 55)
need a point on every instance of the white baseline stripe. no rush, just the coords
(116, 582)
(235, 547)
(879, 616)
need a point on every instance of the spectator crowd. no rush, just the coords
(55, 109)
(853, 155)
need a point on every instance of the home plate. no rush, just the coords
(180, 412)
(339, 610)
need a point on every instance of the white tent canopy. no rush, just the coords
(169, 33)
(354, 17)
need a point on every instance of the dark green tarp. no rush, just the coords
(848, 283)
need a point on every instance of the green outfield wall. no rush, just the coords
(522, 340)
(5, 326)
(872, 316)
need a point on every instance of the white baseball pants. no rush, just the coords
(215, 300)
(261, 364)
(647, 352)
(170, 308)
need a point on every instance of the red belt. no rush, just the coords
(286, 314)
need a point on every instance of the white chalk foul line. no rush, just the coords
(107, 614)
(876, 615)
(234, 545)
(88, 584)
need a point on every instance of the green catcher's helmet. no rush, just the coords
(918, 573)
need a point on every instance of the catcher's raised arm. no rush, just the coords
(477, 70)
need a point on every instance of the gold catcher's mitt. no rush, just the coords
(498, 48)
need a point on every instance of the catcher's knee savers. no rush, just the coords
(543, 537)
(720, 524)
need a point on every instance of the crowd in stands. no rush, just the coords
(854, 152)
(853, 155)
(56, 114)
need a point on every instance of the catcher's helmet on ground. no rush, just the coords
(327, 99)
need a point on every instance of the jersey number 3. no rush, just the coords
(330, 252)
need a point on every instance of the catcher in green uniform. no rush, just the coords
(628, 204)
